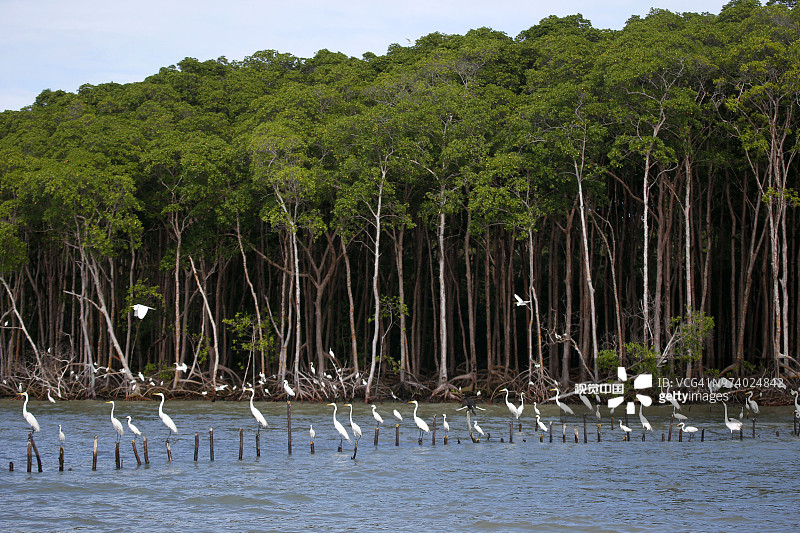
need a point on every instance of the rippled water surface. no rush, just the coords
(611, 485)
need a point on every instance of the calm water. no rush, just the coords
(490, 486)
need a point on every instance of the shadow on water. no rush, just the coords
(529, 485)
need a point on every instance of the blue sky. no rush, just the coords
(62, 44)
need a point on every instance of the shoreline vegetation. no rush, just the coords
(462, 214)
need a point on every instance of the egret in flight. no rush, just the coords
(418, 421)
(355, 427)
(115, 422)
(339, 427)
(28, 416)
(165, 418)
(136, 432)
(140, 310)
(519, 301)
(262, 422)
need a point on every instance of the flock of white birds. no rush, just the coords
(516, 412)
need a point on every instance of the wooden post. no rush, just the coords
(702, 434)
(136, 453)
(563, 433)
(30, 455)
(60, 458)
(433, 433)
(397, 435)
(258, 443)
(312, 446)
(35, 452)
(169, 452)
(671, 420)
(469, 426)
(116, 454)
(377, 429)
(355, 450)
(576, 431)
(241, 443)
(680, 434)
(144, 446)
(551, 431)
(289, 426)
(741, 432)
(585, 439)
(11, 466)
(211, 443)
(196, 445)
(511, 432)
(445, 440)
(94, 454)
(598, 432)
(754, 427)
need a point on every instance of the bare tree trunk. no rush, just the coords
(442, 305)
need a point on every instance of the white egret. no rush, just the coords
(445, 424)
(540, 424)
(355, 427)
(564, 407)
(418, 421)
(733, 425)
(521, 405)
(687, 429)
(645, 424)
(313, 370)
(262, 422)
(28, 416)
(311, 432)
(672, 398)
(478, 428)
(519, 301)
(136, 432)
(511, 406)
(50, 398)
(288, 389)
(140, 310)
(165, 418)
(751, 404)
(397, 415)
(796, 405)
(624, 428)
(115, 422)
(536, 409)
(586, 402)
(181, 367)
(678, 416)
(338, 425)
(597, 411)
(61, 436)
(378, 418)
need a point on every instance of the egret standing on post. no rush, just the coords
(288, 389)
(165, 418)
(115, 422)
(28, 416)
(262, 422)
(339, 427)
(378, 418)
(61, 436)
(355, 427)
(134, 429)
(418, 421)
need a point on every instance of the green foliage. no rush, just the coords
(691, 333)
(607, 361)
(644, 359)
